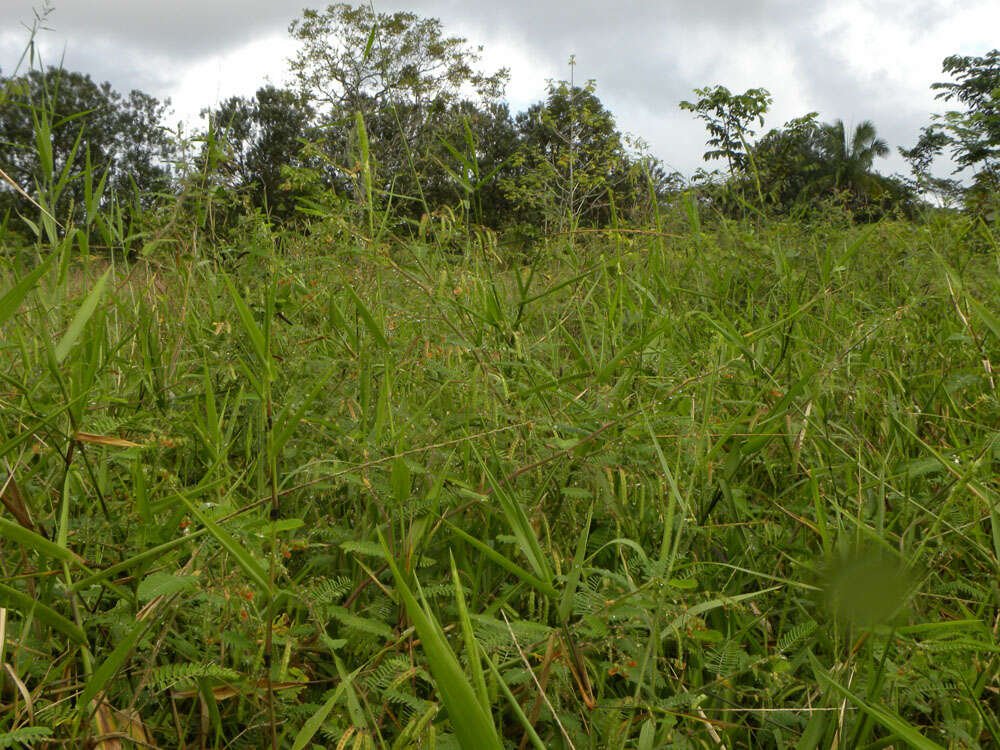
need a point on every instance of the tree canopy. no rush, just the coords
(263, 134)
(971, 134)
(54, 120)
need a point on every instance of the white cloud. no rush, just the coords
(237, 72)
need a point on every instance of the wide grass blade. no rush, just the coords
(41, 545)
(12, 298)
(368, 319)
(110, 666)
(543, 586)
(469, 635)
(253, 331)
(25, 604)
(471, 722)
(80, 319)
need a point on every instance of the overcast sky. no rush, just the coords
(845, 59)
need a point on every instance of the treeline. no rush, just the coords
(388, 114)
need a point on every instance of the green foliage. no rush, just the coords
(84, 127)
(728, 117)
(353, 59)
(653, 543)
(572, 158)
(25, 736)
(808, 166)
(971, 135)
(409, 81)
(847, 159)
(263, 137)
(167, 676)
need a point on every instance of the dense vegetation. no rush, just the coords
(442, 427)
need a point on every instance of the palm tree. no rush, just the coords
(847, 161)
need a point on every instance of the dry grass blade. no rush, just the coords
(106, 440)
(18, 682)
(6, 178)
(13, 501)
(534, 677)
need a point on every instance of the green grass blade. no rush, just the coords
(23, 603)
(711, 604)
(243, 558)
(151, 553)
(536, 741)
(368, 319)
(469, 635)
(17, 533)
(542, 586)
(473, 726)
(12, 298)
(253, 331)
(314, 722)
(519, 524)
(576, 571)
(110, 666)
(80, 319)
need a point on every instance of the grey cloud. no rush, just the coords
(179, 29)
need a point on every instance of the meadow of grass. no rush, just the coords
(705, 484)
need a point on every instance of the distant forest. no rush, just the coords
(407, 118)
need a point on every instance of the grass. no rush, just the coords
(710, 485)
(684, 483)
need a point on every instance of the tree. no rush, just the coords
(355, 59)
(806, 163)
(727, 117)
(402, 73)
(972, 134)
(788, 162)
(975, 133)
(84, 121)
(262, 136)
(468, 161)
(571, 156)
(847, 160)
(921, 157)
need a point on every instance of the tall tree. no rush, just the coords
(83, 119)
(402, 73)
(354, 58)
(971, 134)
(262, 135)
(571, 156)
(848, 159)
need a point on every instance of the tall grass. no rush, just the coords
(703, 484)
